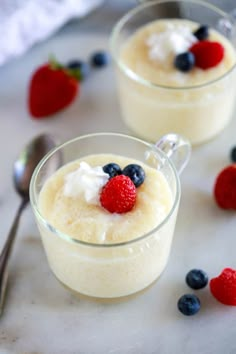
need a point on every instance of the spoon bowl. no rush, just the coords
(28, 160)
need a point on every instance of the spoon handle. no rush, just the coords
(5, 254)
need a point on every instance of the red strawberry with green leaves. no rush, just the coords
(52, 88)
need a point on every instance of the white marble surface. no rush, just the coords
(41, 317)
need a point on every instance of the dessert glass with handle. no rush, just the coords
(106, 270)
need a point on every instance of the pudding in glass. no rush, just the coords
(135, 267)
(156, 95)
(95, 250)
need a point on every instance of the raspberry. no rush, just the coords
(223, 287)
(118, 195)
(225, 188)
(207, 54)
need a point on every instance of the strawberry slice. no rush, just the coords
(207, 54)
(51, 89)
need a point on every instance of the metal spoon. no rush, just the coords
(22, 172)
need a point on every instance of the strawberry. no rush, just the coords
(118, 195)
(51, 88)
(207, 54)
(223, 287)
(225, 188)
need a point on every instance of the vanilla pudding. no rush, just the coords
(86, 220)
(107, 271)
(155, 96)
(149, 54)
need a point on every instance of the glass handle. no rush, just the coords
(227, 25)
(177, 149)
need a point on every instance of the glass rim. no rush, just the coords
(131, 74)
(73, 240)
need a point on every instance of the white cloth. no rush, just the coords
(25, 22)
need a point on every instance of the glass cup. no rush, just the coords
(151, 110)
(111, 270)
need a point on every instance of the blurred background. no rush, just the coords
(26, 22)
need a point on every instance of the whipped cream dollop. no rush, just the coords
(175, 39)
(85, 182)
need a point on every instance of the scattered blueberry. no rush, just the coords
(80, 65)
(135, 173)
(113, 169)
(189, 304)
(233, 154)
(100, 59)
(196, 279)
(184, 61)
(202, 33)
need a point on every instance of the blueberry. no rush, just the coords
(113, 169)
(81, 66)
(202, 33)
(135, 173)
(233, 154)
(189, 304)
(196, 279)
(184, 61)
(100, 59)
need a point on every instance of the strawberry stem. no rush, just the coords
(55, 65)
(76, 73)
